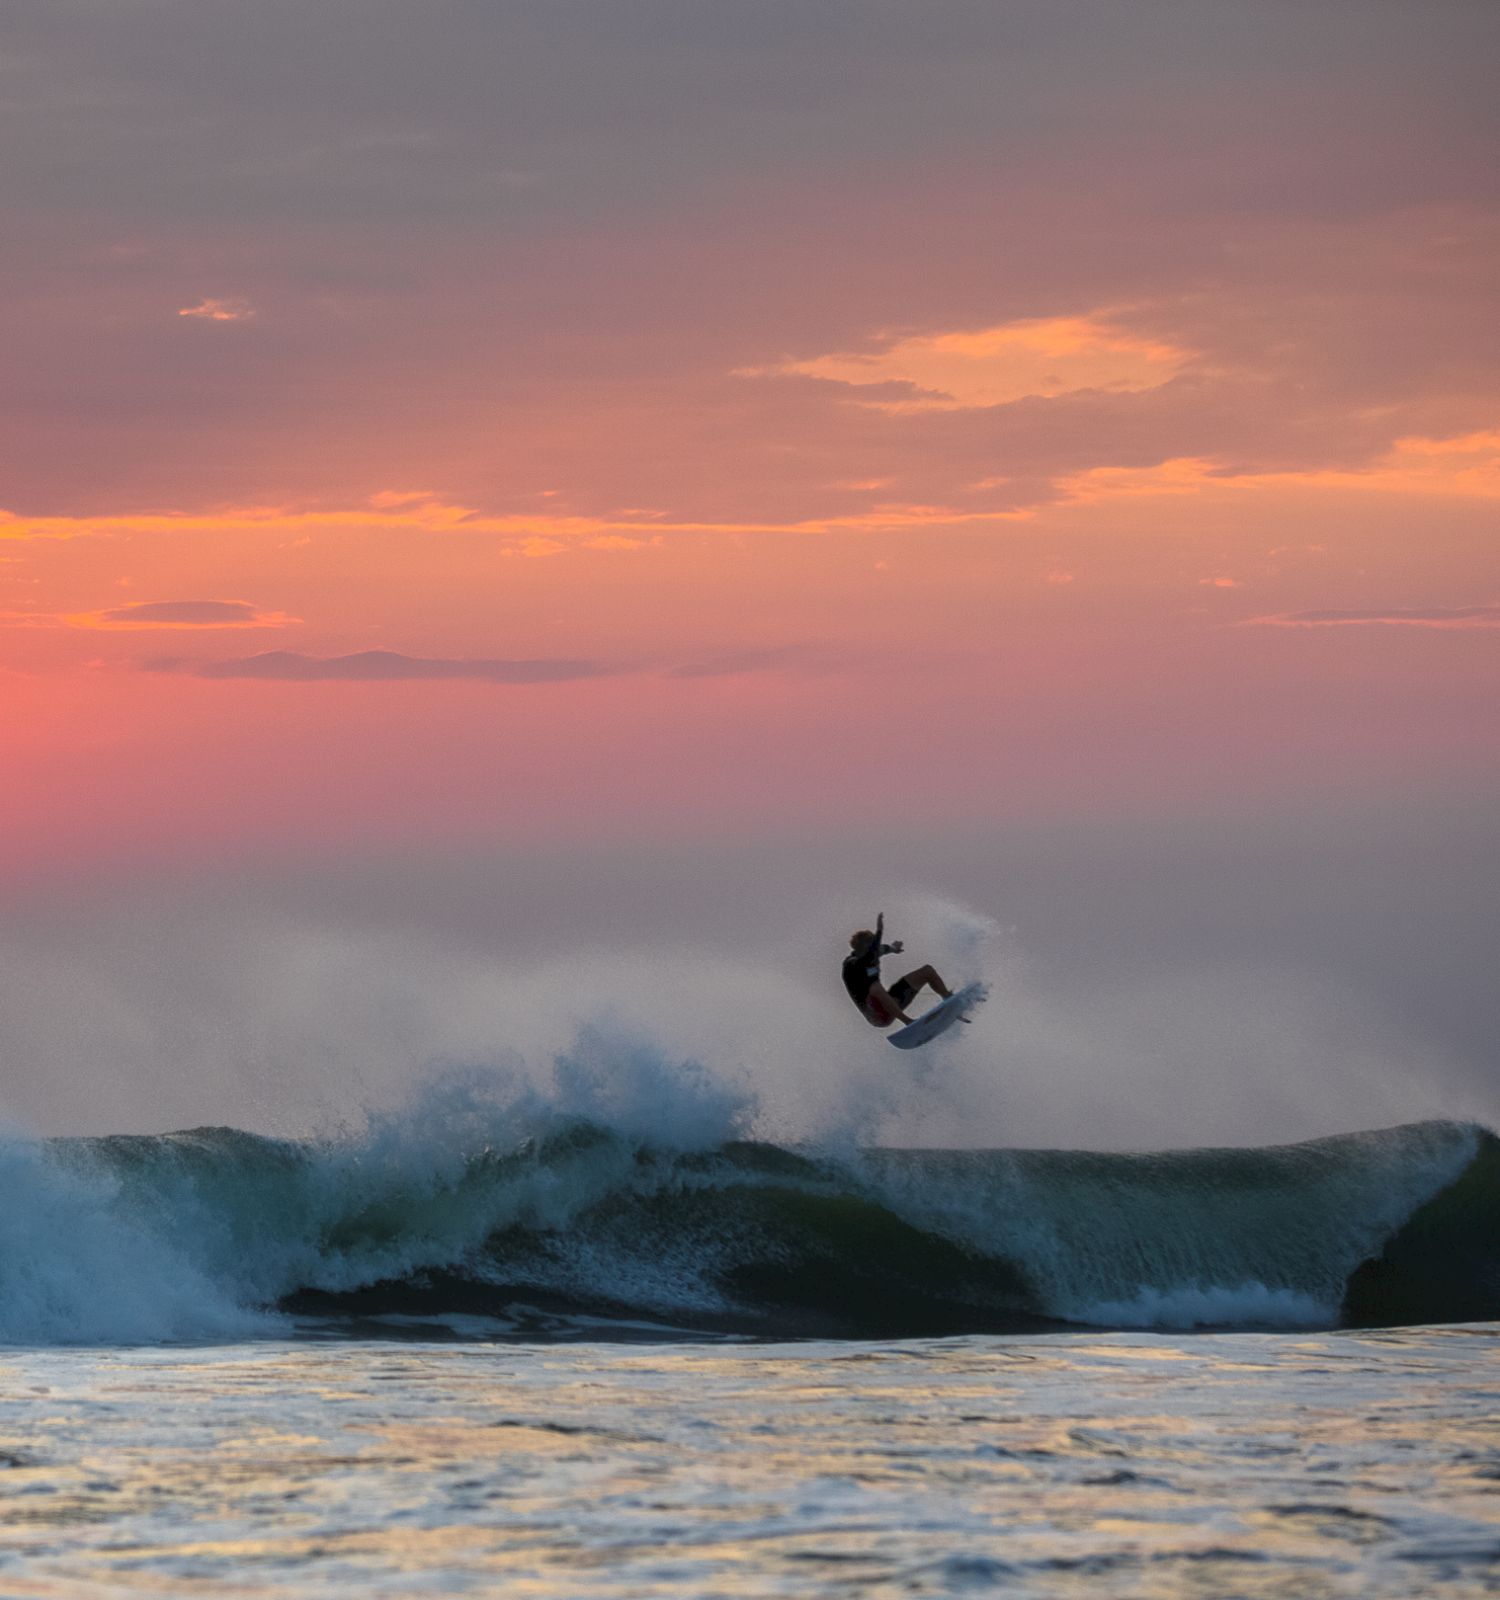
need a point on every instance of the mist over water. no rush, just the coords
(1147, 992)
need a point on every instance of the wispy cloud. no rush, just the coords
(537, 546)
(395, 666)
(1466, 466)
(383, 666)
(535, 535)
(388, 499)
(621, 541)
(156, 614)
(1392, 617)
(736, 663)
(213, 310)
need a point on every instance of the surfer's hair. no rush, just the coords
(861, 938)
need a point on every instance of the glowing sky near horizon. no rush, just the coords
(430, 423)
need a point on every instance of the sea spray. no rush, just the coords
(80, 1263)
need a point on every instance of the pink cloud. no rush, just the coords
(1393, 617)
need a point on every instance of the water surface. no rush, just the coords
(1257, 1464)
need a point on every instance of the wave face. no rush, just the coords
(582, 1226)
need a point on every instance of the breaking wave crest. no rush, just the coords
(632, 1198)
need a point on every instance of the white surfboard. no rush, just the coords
(942, 1017)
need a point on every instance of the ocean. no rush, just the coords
(547, 1355)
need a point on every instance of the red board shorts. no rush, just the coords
(900, 991)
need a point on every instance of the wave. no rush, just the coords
(549, 1225)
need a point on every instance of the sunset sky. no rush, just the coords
(470, 421)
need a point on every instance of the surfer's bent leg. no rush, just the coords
(908, 988)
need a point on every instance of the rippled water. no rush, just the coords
(1123, 1464)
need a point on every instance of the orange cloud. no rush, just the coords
(538, 546)
(1467, 466)
(960, 370)
(1180, 475)
(233, 310)
(620, 541)
(531, 533)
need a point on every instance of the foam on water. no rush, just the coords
(1250, 1305)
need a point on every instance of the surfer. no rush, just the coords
(879, 1006)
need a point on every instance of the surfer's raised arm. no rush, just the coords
(877, 949)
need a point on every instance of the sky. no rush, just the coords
(927, 438)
